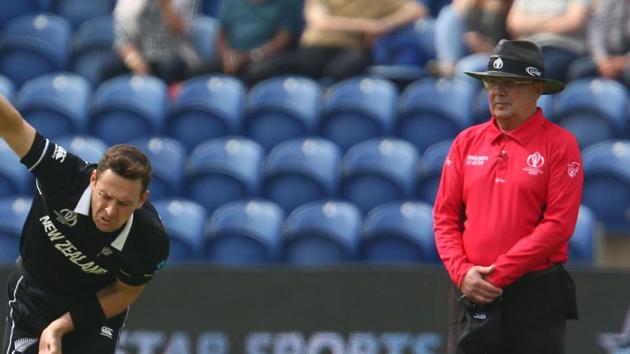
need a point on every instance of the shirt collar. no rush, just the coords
(83, 208)
(523, 133)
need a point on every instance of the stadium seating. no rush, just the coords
(167, 158)
(583, 243)
(300, 171)
(223, 170)
(14, 211)
(14, 177)
(128, 107)
(55, 104)
(594, 110)
(7, 88)
(322, 233)
(378, 171)
(207, 107)
(434, 110)
(244, 233)
(282, 108)
(91, 47)
(184, 222)
(204, 31)
(399, 232)
(13, 9)
(430, 170)
(358, 109)
(79, 11)
(34, 45)
(87, 147)
(607, 183)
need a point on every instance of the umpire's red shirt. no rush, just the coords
(508, 199)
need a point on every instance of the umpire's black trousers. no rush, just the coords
(534, 311)
(30, 311)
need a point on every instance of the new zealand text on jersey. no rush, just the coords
(63, 245)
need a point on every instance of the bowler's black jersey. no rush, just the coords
(61, 247)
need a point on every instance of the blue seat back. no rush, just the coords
(223, 170)
(322, 233)
(282, 108)
(244, 233)
(14, 9)
(412, 44)
(14, 211)
(582, 245)
(300, 171)
(167, 158)
(91, 47)
(430, 170)
(207, 107)
(79, 11)
(128, 107)
(14, 177)
(399, 232)
(56, 104)
(378, 171)
(184, 221)
(7, 88)
(358, 109)
(87, 147)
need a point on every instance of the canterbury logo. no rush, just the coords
(20, 345)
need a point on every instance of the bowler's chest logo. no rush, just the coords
(535, 163)
(66, 217)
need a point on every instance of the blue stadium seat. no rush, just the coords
(167, 158)
(322, 233)
(430, 170)
(583, 244)
(204, 31)
(79, 11)
(607, 183)
(184, 221)
(300, 171)
(14, 177)
(207, 107)
(282, 108)
(378, 171)
(91, 47)
(56, 104)
(128, 107)
(14, 211)
(358, 109)
(399, 232)
(244, 233)
(594, 110)
(87, 147)
(482, 109)
(223, 170)
(34, 45)
(210, 7)
(434, 110)
(7, 88)
(13, 9)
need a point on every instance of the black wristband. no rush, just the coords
(87, 314)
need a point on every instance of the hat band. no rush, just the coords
(511, 66)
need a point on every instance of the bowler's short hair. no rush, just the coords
(128, 162)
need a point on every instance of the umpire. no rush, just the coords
(90, 243)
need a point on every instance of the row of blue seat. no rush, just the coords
(320, 233)
(282, 108)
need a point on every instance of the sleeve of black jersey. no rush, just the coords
(53, 166)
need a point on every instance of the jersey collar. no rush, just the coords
(523, 133)
(83, 208)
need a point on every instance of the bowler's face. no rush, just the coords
(114, 199)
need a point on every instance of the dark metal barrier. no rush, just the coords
(347, 310)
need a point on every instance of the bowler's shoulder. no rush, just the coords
(149, 225)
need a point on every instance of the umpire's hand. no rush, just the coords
(476, 288)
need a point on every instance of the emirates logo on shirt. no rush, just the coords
(535, 162)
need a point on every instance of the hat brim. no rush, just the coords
(551, 86)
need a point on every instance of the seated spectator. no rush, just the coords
(608, 44)
(468, 27)
(336, 42)
(558, 26)
(151, 39)
(251, 33)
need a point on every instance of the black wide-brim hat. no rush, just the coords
(518, 59)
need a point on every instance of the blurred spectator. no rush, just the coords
(338, 35)
(151, 38)
(468, 27)
(251, 32)
(608, 43)
(558, 26)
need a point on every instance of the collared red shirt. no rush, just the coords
(508, 199)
